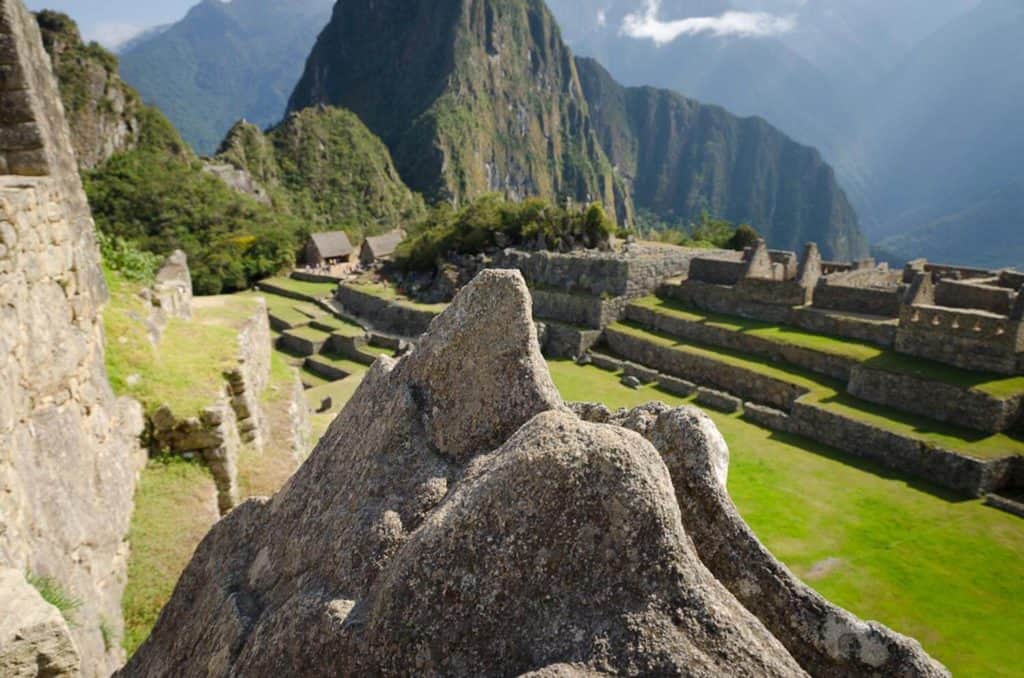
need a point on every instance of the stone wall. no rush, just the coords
(974, 294)
(726, 299)
(383, 315)
(870, 292)
(575, 308)
(69, 451)
(880, 331)
(706, 371)
(722, 269)
(834, 366)
(935, 400)
(972, 340)
(634, 271)
(567, 341)
(247, 381)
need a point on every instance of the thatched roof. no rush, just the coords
(332, 245)
(382, 246)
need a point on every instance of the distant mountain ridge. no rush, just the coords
(225, 61)
(680, 157)
(481, 96)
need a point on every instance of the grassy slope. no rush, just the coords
(173, 373)
(312, 290)
(944, 571)
(389, 293)
(175, 505)
(869, 354)
(829, 394)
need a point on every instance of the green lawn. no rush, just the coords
(291, 311)
(173, 373)
(341, 362)
(947, 572)
(309, 334)
(390, 293)
(379, 350)
(868, 354)
(312, 290)
(340, 327)
(340, 392)
(175, 505)
(831, 395)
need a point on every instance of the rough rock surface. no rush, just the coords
(825, 639)
(68, 449)
(459, 519)
(36, 641)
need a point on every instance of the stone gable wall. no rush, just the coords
(69, 451)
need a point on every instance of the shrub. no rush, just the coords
(744, 237)
(491, 221)
(127, 259)
(53, 593)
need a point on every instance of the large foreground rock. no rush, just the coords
(459, 519)
(36, 639)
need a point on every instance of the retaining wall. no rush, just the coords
(382, 314)
(935, 400)
(706, 371)
(881, 332)
(725, 299)
(835, 367)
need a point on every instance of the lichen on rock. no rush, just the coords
(459, 519)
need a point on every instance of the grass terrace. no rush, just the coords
(870, 355)
(173, 373)
(338, 326)
(295, 313)
(342, 363)
(309, 334)
(391, 293)
(945, 571)
(175, 506)
(831, 395)
(310, 290)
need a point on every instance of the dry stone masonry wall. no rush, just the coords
(69, 451)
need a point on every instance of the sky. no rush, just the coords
(112, 22)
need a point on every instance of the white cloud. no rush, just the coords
(602, 18)
(112, 34)
(647, 25)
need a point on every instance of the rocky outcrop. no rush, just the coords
(458, 519)
(105, 115)
(68, 450)
(35, 640)
(824, 639)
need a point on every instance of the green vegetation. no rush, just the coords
(175, 506)
(706, 231)
(61, 36)
(161, 202)
(55, 594)
(309, 334)
(941, 570)
(338, 326)
(491, 221)
(128, 260)
(390, 293)
(830, 395)
(323, 165)
(173, 373)
(291, 311)
(870, 355)
(310, 290)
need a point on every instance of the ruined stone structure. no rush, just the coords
(459, 519)
(968, 318)
(577, 294)
(69, 451)
(217, 434)
(756, 283)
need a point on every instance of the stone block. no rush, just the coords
(717, 400)
(605, 362)
(8, 49)
(31, 163)
(676, 386)
(643, 374)
(15, 107)
(22, 136)
(11, 77)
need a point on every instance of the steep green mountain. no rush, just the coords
(225, 61)
(680, 158)
(323, 165)
(103, 113)
(480, 95)
(471, 97)
(149, 190)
